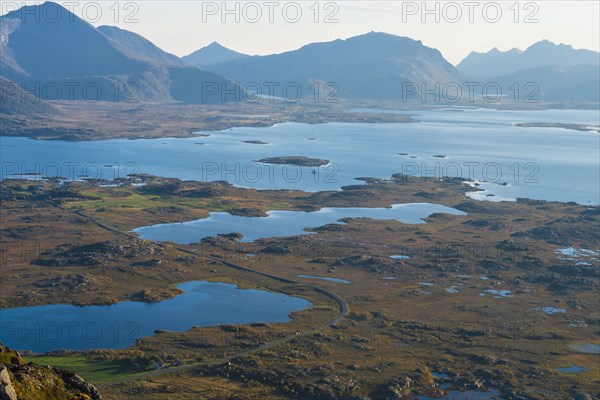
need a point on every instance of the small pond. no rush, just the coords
(284, 223)
(61, 326)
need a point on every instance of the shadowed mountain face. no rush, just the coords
(214, 53)
(554, 83)
(62, 57)
(370, 66)
(15, 100)
(137, 46)
(499, 63)
(63, 48)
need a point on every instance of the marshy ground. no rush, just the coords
(466, 309)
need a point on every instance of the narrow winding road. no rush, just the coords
(343, 311)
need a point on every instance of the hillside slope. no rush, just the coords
(21, 380)
(137, 46)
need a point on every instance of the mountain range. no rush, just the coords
(544, 71)
(42, 56)
(499, 63)
(370, 66)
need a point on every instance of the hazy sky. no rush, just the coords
(266, 27)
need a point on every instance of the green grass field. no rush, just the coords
(93, 371)
(132, 201)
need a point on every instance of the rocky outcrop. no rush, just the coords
(375, 264)
(78, 383)
(7, 391)
(396, 389)
(156, 295)
(21, 380)
(99, 253)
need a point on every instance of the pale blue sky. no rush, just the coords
(181, 27)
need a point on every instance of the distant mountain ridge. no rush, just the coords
(371, 66)
(72, 55)
(498, 63)
(123, 66)
(555, 72)
(214, 53)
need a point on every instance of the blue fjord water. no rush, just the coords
(538, 163)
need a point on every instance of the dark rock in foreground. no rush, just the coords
(20, 380)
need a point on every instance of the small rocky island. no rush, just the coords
(295, 160)
(255, 142)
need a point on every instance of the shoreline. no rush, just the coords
(144, 121)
